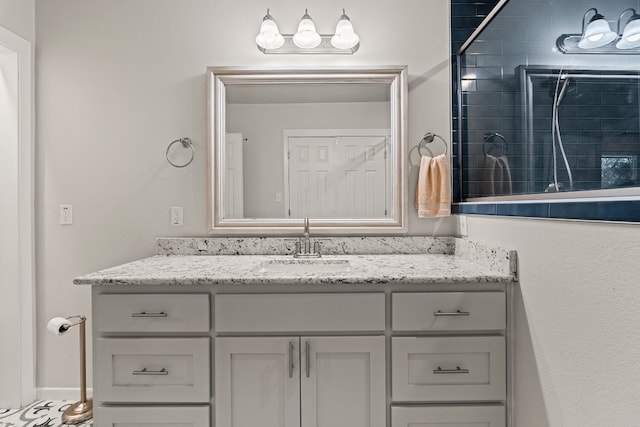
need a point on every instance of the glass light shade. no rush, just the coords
(269, 37)
(597, 34)
(631, 35)
(345, 37)
(306, 37)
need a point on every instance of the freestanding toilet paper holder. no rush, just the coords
(82, 410)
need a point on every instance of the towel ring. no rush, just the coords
(490, 137)
(186, 143)
(428, 139)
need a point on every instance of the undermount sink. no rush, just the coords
(297, 265)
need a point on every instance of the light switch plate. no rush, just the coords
(462, 225)
(177, 216)
(66, 214)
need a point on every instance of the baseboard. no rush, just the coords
(50, 393)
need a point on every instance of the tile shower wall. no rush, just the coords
(598, 117)
(466, 16)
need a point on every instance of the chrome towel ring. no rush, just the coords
(428, 138)
(490, 137)
(186, 143)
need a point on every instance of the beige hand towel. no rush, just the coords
(433, 192)
(496, 176)
(506, 175)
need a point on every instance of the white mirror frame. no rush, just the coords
(218, 77)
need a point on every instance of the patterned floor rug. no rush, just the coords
(43, 413)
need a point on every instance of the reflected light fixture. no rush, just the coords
(597, 32)
(306, 39)
(630, 37)
(345, 37)
(597, 37)
(269, 37)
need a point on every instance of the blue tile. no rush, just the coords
(476, 208)
(628, 210)
(531, 210)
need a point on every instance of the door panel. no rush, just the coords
(343, 382)
(257, 382)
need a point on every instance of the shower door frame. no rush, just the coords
(527, 73)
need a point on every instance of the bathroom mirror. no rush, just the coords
(327, 144)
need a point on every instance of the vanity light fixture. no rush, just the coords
(630, 37)
(597, 36)
(269, 37)
(345, 37)
(597, 32)
(306, 39)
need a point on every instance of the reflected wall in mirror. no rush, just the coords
(328, 144)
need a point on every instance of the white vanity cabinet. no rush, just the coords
(152, 359)
(321, 355)
(300, 381)
(452, 351)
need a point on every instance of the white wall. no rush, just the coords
(577, 319)
(17, 16)
(118, 80)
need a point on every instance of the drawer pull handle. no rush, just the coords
(144, 371)
(291, 366)
(458, 370)
(451, 313)
(145, 314)
(307, 357)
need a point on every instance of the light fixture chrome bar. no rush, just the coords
(325, 47)
(568, 44)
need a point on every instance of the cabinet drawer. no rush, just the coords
(450, 416)
(299, 312)
(441, 311)
(437, 369)
(152, 313)
(152, 370)
(155, 416)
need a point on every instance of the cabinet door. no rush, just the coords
(343, 382)
(257, 382)
(448, 416)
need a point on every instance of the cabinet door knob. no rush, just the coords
(451, 313)
(145, 371)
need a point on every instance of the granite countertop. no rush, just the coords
(216, 262)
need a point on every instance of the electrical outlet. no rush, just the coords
(66, 214)
(462, 225)
(278, 197)
(177, 216)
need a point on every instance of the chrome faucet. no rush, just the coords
(303, 245)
